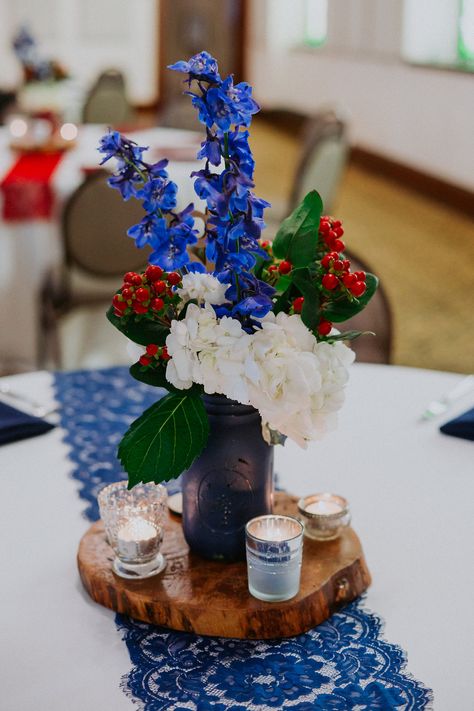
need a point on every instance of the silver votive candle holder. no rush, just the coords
(134, 522)
(274, 546)
(324, 516)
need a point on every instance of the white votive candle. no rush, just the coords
(323, 507)
(324, 515)
(274, 550)
(137, 540)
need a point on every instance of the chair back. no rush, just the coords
(95, 224)
(323, 158)
(376, 317)
(107, 101)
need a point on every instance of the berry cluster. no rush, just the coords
(146, 293)
(154, 354)
(330, 231)
(339, 276)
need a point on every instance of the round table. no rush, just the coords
(410, 489)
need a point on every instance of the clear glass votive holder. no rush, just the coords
(274, 546)
(134, 522)
(324, 516)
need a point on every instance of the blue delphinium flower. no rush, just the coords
(158, 194)
(202, 66)
(235, 214)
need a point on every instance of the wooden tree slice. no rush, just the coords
(212, 598)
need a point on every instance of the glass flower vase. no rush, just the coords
(229, 483)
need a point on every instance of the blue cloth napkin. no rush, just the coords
(16, 425)
(462, 426)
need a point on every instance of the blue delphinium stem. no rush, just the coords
(235, 214)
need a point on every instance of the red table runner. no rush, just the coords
(27, 191)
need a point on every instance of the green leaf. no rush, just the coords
(142, 331)
(343, 309)
(165, 439)
(310, 314)
(348, 336)
(152, 376)
(297, 238)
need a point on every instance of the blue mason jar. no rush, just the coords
(229, 483)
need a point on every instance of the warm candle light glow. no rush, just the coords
(68, 131)
(18, 127)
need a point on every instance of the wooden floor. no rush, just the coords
(422, 251)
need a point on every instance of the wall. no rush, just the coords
(87, 36)
(421, 117)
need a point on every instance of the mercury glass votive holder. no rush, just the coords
(274, 546)
(134, 522)
(324, 516)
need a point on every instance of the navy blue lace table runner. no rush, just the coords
(341, 665)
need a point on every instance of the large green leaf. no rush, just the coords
(343, 308)
(297, 238)
(139, 330)
(306, 285)
(165, 439)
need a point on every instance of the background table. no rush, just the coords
(29, 249)
(411, 491)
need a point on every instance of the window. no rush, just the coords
(439, 33)
(466, 32)
(315, 22)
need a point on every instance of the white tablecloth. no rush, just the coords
(411, 491)
(28, 249)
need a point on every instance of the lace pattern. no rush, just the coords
(343, 664)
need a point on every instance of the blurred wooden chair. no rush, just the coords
(323, 157)
(107, 100)
(376, 317)
(97, 253)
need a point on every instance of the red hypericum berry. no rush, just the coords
(153, 272)
(330, 281)
(337, 265)
(336, 223)
(142, 294)
(324, 226)
(338, 230)
(127, 294)
(164, 353)
(326, 261)
(137, 280)
(338, 245)
(361, 276)
(349, 280)
(272, 268)
(332, 235)
(152, 349)
(159, 287)
(285, 267)
(144, 360)
(324, 328)
(118, 313)
(173, 278)
(129, 277)
(298, 304)
(346, 264)
(157, 304)
(119, 303)
(358, 288)
(139, 308)
(265, 244)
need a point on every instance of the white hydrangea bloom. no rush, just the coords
(295, 382)
(203, 288)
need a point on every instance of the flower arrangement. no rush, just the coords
(226, 312)
(34, 67)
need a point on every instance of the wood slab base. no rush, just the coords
(212, 598)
